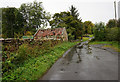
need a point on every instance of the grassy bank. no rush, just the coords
(34, 68)
(113, 44)
(87, 38)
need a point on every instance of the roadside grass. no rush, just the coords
(35, 68)
(109, 44)
(85, 39)
(91, 35)
(88, 35)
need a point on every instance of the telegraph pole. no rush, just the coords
(115, 14)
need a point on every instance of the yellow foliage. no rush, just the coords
(28, 33)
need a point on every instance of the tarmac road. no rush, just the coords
(89, 62)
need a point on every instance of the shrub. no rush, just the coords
(8, 64)
(99, 31)
(102, 33)
(112, 34)
(21, 54)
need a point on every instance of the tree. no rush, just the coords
(60, 20)
(77, 24)
(34, 15)
(112, 34)
(111, 23)
(29, 17)
(88, 27)
(74, 12)
(8, 22)
(99, 32)
(71, 21)
(118, 23)
(64, 19)
(12, 22)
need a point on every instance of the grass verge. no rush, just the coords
(91, 35)
(109, 44)
(34, 68)
(85, 39)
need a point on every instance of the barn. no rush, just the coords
(54, 34)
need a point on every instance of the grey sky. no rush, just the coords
(93, 10)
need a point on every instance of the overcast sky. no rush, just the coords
(93, 10)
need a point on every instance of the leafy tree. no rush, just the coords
(111, 23)
(74, 12)
(112, 34)
(88, 27)
(99, 32)
(102, 33)
(8, 22)
(118, 23)
(60, 20)
(77, 24)
(29, 17)
(71, 21)
(64, 19)
(12, 22)
(34, 15)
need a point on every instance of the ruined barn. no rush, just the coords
(54, 34)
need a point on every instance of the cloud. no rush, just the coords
(94, 10)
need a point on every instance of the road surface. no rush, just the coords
(89, 62)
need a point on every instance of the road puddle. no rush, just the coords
(83, 61)
(77, 53)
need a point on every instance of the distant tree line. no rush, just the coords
(18, 22)
(26, 20)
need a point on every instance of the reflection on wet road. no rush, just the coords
(84, 63)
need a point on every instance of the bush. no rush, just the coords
(112, 34)
(22, 54)
(102, 33)
(99, 31)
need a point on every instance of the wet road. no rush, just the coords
(85, 63)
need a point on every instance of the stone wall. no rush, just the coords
(13, 44)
